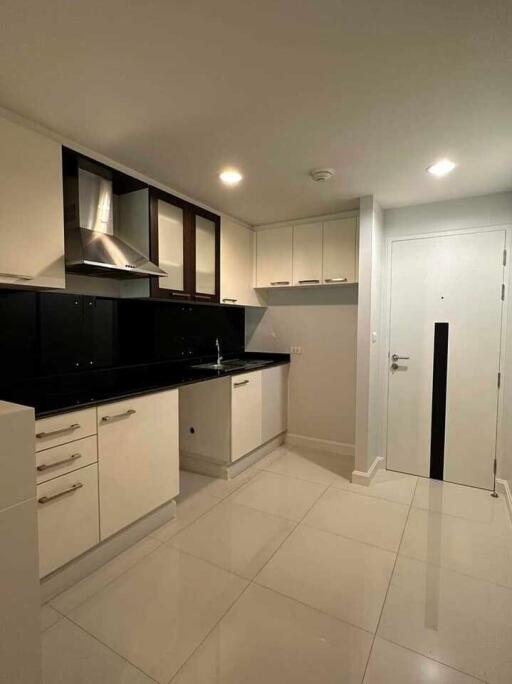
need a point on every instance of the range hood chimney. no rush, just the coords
(92, 246)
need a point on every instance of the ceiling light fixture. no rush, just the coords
(230, 177)
(321, 175)
(441, 168)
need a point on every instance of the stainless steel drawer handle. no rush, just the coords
(336, 280)
(108, 419)
(229, 299)
(312, 280)
(280, 282)
(60, 431)
(16, 275)
(69, 490)
(239, 384)
(45, 466)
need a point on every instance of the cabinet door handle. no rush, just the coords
(45, 466)
(313, 280)
(187, 295)
(208, 297)
(336, 280)
(239, 384)
(69, 490)
(59, 431)
(124, 414)
(280, 282)
(19, 276)
(229, 299)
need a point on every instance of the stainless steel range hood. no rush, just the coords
(92, 247)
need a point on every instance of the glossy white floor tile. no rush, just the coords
(80, 592)
(237, 538)
(70, 656)
(457, 620)
(268, 638)
(392, 664)
(338, 576)
(311, 465)
(193, 483)
(363, 518)
(472, 548)
(386, 484)
(288, 497)
(187, 511)
(159, 611)
(464, 502)
(49, 617)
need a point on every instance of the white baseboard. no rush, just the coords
(364, 478)
(504, 488)
(341, 448)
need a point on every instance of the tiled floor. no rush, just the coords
(290, 573)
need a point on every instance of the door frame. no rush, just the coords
(385, 326)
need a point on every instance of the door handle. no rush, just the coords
(395, 357)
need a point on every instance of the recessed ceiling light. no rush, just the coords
(441, 168)
(230, 177)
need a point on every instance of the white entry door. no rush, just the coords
(445, 319)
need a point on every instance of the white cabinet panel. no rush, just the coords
(67, 517)
(245, 414)
(274, 393)
(274, 248)
(138, 458)
(237, 259)
(31, 211)
(307, 254)
(66, 427)
(65, 458)
(340, 251)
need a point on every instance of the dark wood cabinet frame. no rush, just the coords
(190, 211)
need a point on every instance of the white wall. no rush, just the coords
(322, 378)
(368, 335)
(472, 212)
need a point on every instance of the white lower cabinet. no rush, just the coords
(67, 517)
(274, 401)
(138, 455)
(245, 414)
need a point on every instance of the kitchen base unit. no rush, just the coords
(107, 476)
(229, 423)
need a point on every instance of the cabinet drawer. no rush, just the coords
(64, 428)
(65, 458)
(67, 514)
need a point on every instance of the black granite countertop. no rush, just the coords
(59, 394)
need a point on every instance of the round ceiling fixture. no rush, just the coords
(321, 175)
(230, 176)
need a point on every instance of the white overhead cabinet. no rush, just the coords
(274, 249)
(31, 211)
(308, 254)
(237, 252)
(138, 457)
(339, 251)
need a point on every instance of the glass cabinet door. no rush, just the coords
(170, 246)
(206, 248)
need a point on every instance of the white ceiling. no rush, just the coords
(375, 89)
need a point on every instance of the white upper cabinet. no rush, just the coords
(274, 257)
(237, 258)
(316, 253)
(340, 251)
(31, 211)
(307, 254)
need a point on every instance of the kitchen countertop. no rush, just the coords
(60, 394)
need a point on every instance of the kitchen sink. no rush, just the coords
(233, 364)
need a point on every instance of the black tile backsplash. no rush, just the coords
(44, 334)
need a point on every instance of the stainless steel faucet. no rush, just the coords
(219, 356)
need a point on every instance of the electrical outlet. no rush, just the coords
(295, 350)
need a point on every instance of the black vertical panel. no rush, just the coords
(438, 428)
